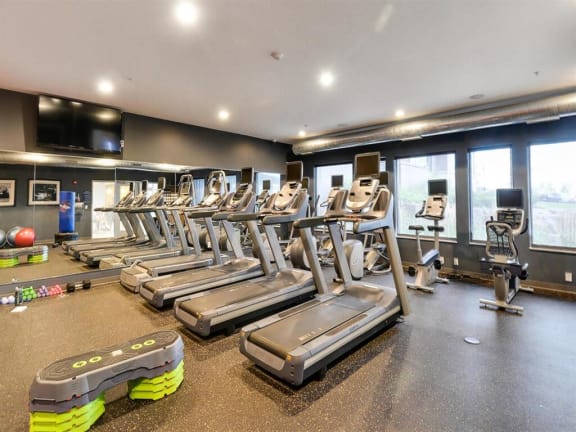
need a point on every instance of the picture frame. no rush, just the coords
(7, 192)
(43, 192)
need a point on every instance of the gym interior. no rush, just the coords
(287, 216)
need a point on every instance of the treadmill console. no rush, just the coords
(434, 207)
(287, 195)
(238, 197)
(362, 192)
(512, 217)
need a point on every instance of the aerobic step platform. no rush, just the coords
(68, 395)
(36, 254)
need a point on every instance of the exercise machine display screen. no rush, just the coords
(437, 187)
(266, 184)
(247, 176)
(383, 178)
(367, 165)
(294, 171)
(337, 181)
(509, 198)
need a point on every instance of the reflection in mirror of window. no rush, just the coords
(489, 170)
(553, 195)
(412, 175)
(274, 181)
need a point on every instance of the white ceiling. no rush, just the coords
(421, 56)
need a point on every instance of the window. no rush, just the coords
(553, 195)
(231, 183)
(274, 181)
(489, 170)
(323, 176)
(412, 175)
(198, 190)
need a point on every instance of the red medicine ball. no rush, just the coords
(25, 237)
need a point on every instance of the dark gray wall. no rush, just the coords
(12, 124)
(148, 139)
(544, 266)
(152, 140)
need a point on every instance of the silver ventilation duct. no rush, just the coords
(544, 109)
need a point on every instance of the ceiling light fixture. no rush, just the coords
(302, 134)
(223, 115)
(186, 13)
(105, 87)
(326, 79)
(399, 113)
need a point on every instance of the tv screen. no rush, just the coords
(509, 198)
(247, 176)
(437, 187)
(367, 165)
(337, 181)
(266, 184)
(78, 126)
(294, 171)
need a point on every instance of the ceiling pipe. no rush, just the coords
(535, 111)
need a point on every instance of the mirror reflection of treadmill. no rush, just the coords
(132, 278)
(165, 290)
(300, 342)
(229, 306)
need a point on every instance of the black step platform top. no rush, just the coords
(71, 367)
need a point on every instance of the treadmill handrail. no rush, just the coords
(241, 217)
(309, 222)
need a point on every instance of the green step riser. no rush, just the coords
(82, 418)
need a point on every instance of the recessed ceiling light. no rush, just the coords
(302, 133)
(399, 113)
(105, 87)
(76, 104)
(326, 79)
(186, 13)
(477, 96)
(223, 114)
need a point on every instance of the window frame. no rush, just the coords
(471, 240)
(567, 250)
(423, 236)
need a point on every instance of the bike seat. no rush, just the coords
(416, 227)
(435, 228)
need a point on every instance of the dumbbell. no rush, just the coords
(73, 286)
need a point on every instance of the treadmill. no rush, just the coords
(303, 341)
(140, 235)
(92, 257)
(242, 200)
(125, 201)
(165, 289)
(226, 307)
(170, 248)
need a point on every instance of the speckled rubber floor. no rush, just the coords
(418, 376)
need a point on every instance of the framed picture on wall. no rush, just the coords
(7, 192)
(43, 192)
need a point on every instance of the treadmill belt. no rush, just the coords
(177, 280)
(285, 335)
(245, 291)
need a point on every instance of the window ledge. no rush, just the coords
(553, 250)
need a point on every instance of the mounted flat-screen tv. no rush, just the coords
(78, 126)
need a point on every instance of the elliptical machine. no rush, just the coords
(502, 254)
(426, 270)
